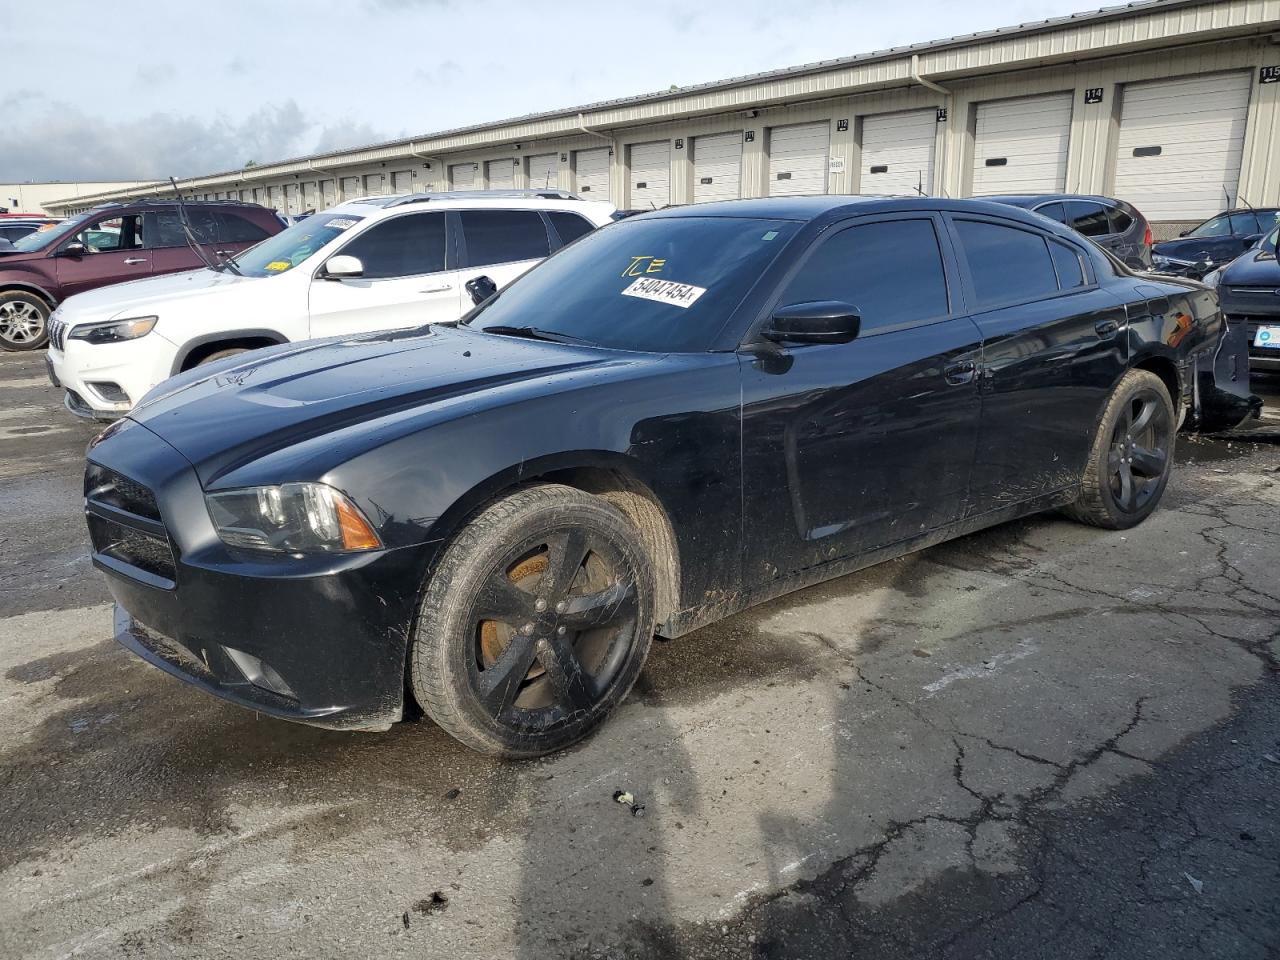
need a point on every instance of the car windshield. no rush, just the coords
(290, 247)
(661, 285)
(42, 238)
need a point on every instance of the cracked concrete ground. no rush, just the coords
(1043, 740)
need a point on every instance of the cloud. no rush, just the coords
(441, 75)
(155, 74)
(51, 140)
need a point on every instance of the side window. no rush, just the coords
(570, 226)
(1007, 265)
(891, 271)
(112, 234)
(1120, 221)
(1087, 218)
(401, 247)
(1054, 211)
(1066, 262)
(503, 236)
(164, 229)
(1244, 225)
(233, 228)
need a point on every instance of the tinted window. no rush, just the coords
(164, 229)
(401, 247)
(236, 229)
(1054, 211)
(1120, 221)
(1067, 262)
(892, 272)
(1217, 227)
(1007, 265)
(112, 234)
(503, 236)
(668, 284)
(570, 226)
(1087, 218)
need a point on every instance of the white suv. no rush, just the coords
(372, 264)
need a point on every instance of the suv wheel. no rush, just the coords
(24, 321)
(534, 624)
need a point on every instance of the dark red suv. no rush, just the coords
(111, 244)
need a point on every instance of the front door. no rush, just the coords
(851, 447)
(408, 280)
(1054, 345)
(113, 252)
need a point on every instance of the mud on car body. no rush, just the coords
(672, 419)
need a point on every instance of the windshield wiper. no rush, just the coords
(533, 333)
(222, 264)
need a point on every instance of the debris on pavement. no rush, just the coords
(432, 904)
(1196, 885)
(1271, 758)
(626, 798)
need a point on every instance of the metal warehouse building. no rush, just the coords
(1173, 105)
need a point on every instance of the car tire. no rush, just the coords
(24, 320)
(221, 355)
(1132, 455)
(519, 648)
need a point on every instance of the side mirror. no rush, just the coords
(817, 321)
(74, 249)
(481, 289)
(1185, 233)
(343, 267)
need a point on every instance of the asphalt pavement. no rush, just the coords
(1042, 740)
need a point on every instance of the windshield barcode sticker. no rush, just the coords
(665, 291)
(341, 223)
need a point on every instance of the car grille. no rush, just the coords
(57, 332)
(125, 526)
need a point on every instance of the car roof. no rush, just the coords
(466, 200)
(833, 207)
(1034, 199)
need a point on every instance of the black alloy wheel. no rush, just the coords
(535, 623)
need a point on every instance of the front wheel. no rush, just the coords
(535, 623)
(1132, 455)
(24, 321)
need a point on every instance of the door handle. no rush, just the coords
(1106, 328)
(447, 286)
(133, 260)
(961, 371)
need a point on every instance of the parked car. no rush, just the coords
(1217, 241)
(15, 228)
(1113, 224)
(668, 421)
(371, 264)
(1249, 288)
(111, 244)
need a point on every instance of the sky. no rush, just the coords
(135, 89)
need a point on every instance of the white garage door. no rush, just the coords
(1020, 146)
(650, 175)
(308, 196)
(591, 173)
(351, 187)
(1180, 145)
(798, 159)
(402, 181)
(462, 176)
(544, 172)
(897, 153)
(327, 195)
(501, 174)
(374, 184)
(717, 167)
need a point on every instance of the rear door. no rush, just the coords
(114, 251)
(501, 244)
(409, 279)
(863, 444)
(1054, 346)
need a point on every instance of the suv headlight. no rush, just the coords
(291, 518)
(113, 331)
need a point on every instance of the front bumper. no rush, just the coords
(331, 631)
(88, 372)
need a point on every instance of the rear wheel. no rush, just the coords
(1132, 455)
(24, 321)
(535, 623)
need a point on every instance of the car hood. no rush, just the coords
(8, 257)
(1253, 268)
(154, 294)
(239, 410)
(1188, 248)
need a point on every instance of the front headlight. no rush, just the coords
(113, 331)
(291, 518)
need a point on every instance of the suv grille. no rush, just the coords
(125, 526)
(57, 332)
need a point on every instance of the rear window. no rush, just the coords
(570, 226)
(662, 285)
(1120, 221)
(1087, 218)
(504, 236)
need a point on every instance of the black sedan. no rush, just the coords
(1217, 241)
(1249, 288)
(1112, 224)
(678, 416)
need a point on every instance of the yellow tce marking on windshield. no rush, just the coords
(645, 264)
